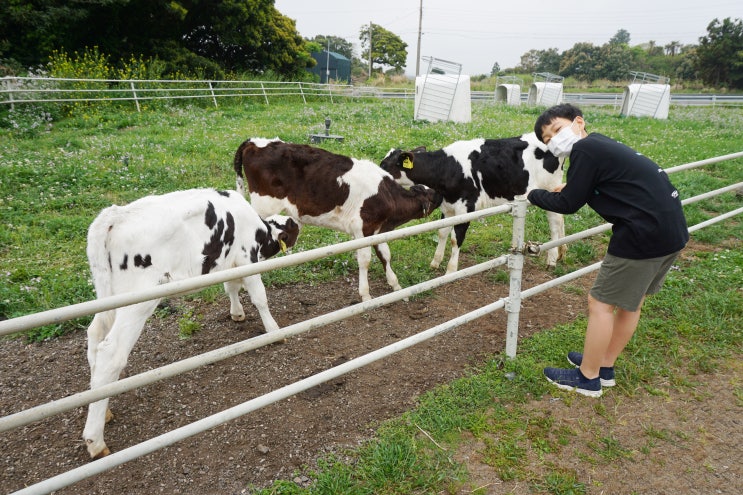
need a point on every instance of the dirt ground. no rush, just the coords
(281, 440)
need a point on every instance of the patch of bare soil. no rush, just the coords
(283, 439)
(667, 443)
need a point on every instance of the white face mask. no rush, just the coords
(561, 144)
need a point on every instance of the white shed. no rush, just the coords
(647, 100)
(545, 93)
(508, 93)
(440, 97)
(443, 93)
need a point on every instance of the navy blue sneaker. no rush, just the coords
(573, 379)
(606, 374)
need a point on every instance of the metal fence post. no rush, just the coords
(515, 267)
(134, 92)
(9, 84)
(263, 88)
(211, 90)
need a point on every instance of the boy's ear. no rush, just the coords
(581, 122)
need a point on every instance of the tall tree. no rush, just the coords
(620, 38)
(387, 48)
(672, 48)
(613, 62)
(580, 61)
(238, 35)
(245, 35)
(31, 30)
(337, 44)
(653, 48)
(540, 61)
(549, 60)
(719, 56)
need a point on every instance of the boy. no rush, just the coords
(649, 230)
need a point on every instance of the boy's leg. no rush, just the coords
(625, 324)
(608, 331)
(598, 336)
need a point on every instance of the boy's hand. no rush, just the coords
(558, 188)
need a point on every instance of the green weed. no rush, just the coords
(188, 324)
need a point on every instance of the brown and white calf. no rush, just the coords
(158, 239)
(477, 174)
(317, 187)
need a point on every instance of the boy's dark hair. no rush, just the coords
(565, 110)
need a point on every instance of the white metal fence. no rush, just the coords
(511, 304)
(22, 90)
(39, 90)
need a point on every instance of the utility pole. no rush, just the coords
(327, 65)
(418, 55)
(370, 48)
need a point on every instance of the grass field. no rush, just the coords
(55, 178)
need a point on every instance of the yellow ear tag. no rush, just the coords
(283, 245)
(407, 163)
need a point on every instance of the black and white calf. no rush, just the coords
(158, 239)
(477, 174)
(317, 187)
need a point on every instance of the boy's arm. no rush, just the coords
(569, 197)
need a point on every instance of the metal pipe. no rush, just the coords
(196, 283)
(117, 458)
(42, 411)
(515, 267)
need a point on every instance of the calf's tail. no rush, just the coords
(238, 164)
(99, 258)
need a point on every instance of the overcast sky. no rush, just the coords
(478, 33)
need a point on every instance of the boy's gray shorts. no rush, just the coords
(624, 282)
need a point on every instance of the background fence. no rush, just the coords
(26, 90)
(511, 304)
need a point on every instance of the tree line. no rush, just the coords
(717, 60)
(219, 39)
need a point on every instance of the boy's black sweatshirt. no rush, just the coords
(628, 190)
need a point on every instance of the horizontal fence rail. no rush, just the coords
(188, 285)
(514, 259)
(26, 90)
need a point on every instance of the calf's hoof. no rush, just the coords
(97, 451)
(237, 317)
(406, 299)
(103, 453)
(109, 415)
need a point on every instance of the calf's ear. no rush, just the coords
(288, 239)
(283, 239)
(406, 160)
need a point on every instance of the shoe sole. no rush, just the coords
(604, 383)
(588, 393)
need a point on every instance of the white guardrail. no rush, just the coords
(511, 304)
(25, 90)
